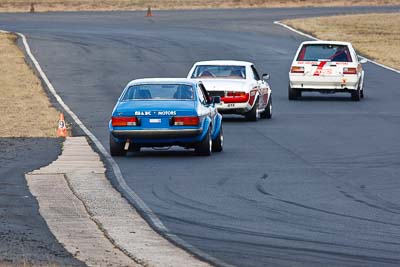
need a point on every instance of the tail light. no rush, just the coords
(235, 97)
(124, 121)
(349, 70)
(297, 69)
(185, 121)
(235, 94)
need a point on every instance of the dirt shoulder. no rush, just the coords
(25, 108)
(27, 121)
(376, 36)
(104, 5)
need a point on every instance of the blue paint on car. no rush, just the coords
(163, 112)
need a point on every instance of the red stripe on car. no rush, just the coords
(319, 68)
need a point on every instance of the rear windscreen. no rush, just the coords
(218, 71)
(329, 52)
(159, 92)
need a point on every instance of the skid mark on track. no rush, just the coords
(67, 40)
(371, 158)
(302, 249)
(234, 231)
(223, 181)
(143, 52)
(390, 207)
(260, 188)
(336, 213)
(170, 190)
(182, 203)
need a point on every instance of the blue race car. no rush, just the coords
(164, 112)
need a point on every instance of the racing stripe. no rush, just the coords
(319, 68)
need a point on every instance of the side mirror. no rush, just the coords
(363, 60)
(216, 99)
(265, 76)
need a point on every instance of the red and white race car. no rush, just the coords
(239, 85)
(326, 67)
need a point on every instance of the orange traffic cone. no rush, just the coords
(62, 129)
(149, 13)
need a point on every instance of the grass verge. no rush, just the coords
(98, 5)
(376, 36)
(24, 106)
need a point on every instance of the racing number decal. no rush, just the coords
(319, 68)
(61, 124)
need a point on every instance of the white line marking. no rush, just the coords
(314, 38)
(117, 171)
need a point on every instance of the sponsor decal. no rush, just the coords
(142, 113)
(307, 62)
(321, 65)
(156, 113)
(327, 71)
(166, 113)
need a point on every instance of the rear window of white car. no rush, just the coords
(329, 52)
(159, 92)
(215, 71)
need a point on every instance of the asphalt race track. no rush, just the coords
(318, 184)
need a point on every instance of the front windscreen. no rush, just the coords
(213, 71)
(328, 52)
(159, 92)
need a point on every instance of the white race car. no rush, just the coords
(239, 85)
(326, 67)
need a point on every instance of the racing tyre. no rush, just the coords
(204, 147)
(293, 93)
(116, 149)
(356, 95)
(267, 113)
(252, 114)
(218, 143)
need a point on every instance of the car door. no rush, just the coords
(206, 107)
(262, 88)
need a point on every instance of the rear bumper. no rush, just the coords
(234, 108)
(157, 134)
(322, 83)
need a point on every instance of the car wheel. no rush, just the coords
(267, 113)
(116, 149)
(204, 147)
(356, 95)
(293, 93)
(218, 143)
(252, 114)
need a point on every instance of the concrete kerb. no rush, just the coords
(121, 185)
(68, 220)
(80, 206)
(314, 38)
